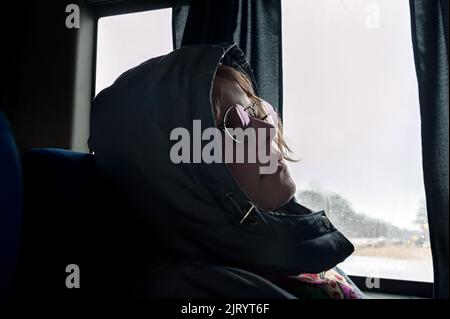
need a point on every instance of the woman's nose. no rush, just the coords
(260, 124)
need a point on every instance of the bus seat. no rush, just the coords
(72, 217)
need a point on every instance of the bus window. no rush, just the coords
(126, 40)
(351, 113)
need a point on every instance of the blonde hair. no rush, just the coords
(230, 73)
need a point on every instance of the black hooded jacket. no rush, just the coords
(194, 210)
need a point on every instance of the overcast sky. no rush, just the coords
(351, 109)
(351, 103)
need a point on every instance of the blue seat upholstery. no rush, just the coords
(58, 192)
(71, 216)
(10, 207)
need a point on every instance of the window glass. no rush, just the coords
(351, 114)
(124, 41)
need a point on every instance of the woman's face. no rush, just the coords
(266, 191)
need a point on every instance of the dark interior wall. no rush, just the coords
(39, 77)
(48, 69)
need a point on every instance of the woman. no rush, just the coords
(217, 229)
(233, 95)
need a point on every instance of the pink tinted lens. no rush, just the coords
(237, 117)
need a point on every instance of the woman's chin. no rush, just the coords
(280, 194)
(291, 185)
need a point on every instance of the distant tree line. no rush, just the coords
(359, 225)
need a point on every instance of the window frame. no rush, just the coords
(105, 8)
(396, 287)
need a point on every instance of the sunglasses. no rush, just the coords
(239, 117)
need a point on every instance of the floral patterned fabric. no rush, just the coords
(325, 285)
(330, 283)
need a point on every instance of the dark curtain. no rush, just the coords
(253, 24)
(429, 21)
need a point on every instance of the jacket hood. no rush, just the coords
(191, 208)
(132, 120)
